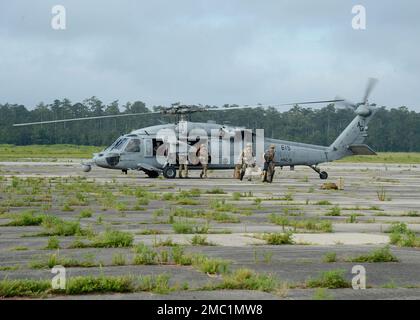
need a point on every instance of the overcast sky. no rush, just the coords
(209, 52)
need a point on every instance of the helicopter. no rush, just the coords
(155, 149)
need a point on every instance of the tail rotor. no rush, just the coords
(363, 108)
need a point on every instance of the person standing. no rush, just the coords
(269, 164)
(247, 160)
(203, 157)
(183, 164)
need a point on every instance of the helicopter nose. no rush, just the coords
(107, 160)
(99, 160)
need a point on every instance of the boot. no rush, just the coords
(264, 176)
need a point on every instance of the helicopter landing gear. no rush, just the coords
(152, 174)
(322, 174)
(169, 172)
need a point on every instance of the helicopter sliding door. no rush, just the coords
(149, 150)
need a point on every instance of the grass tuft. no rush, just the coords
(332, 279)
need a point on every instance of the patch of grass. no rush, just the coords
(11, 152)
(380, 255)
(168, 242)
(78, 244)
(187, 201)
(67, 208)
(19, 248)
(199, 240)
(222, 206)
(390, 285)
(57, 227)
(120, 206)
(330, 257)
(185, 212)
(185, 227)
(158, 213)
(55, 260)
(386, 157)
(288, 197)
(216, 191)
(245, 279)
(236, 196)
(113, 239)
(332, 279)
(8, 268)
(157, 284)
(24, 287)
(310, 224)
(412, 213)
(144, 255)
(323, 203)
(118, 259)
(278, 238)
(382, 194)
(86, 213)
(26, 218)
(292, 211)
(222, 217)
(89, 284)
(322, 294)
(195, 192)
(168, 196)
(402, 236)
(53, 243)
(179, 257)
(334, 211)
(314, 225)
(352, 218)
(149, 232)
(210, 265)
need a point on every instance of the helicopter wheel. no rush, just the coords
(169, 172)
(86, 168)
(323, 175)
(152, 174)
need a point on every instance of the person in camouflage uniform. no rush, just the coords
(269, 164)
(247, 160)
(203, 157)
(183, 164)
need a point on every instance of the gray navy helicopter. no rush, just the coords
(139, 150)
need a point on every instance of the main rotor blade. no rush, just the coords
(370, 85)
(85, 118)
(273, 105)
(346, 103)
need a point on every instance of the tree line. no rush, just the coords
(392, 129)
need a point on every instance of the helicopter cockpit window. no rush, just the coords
(133, 145)
(112, 145)
(119, 144)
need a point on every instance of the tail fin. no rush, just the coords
(350, 141)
